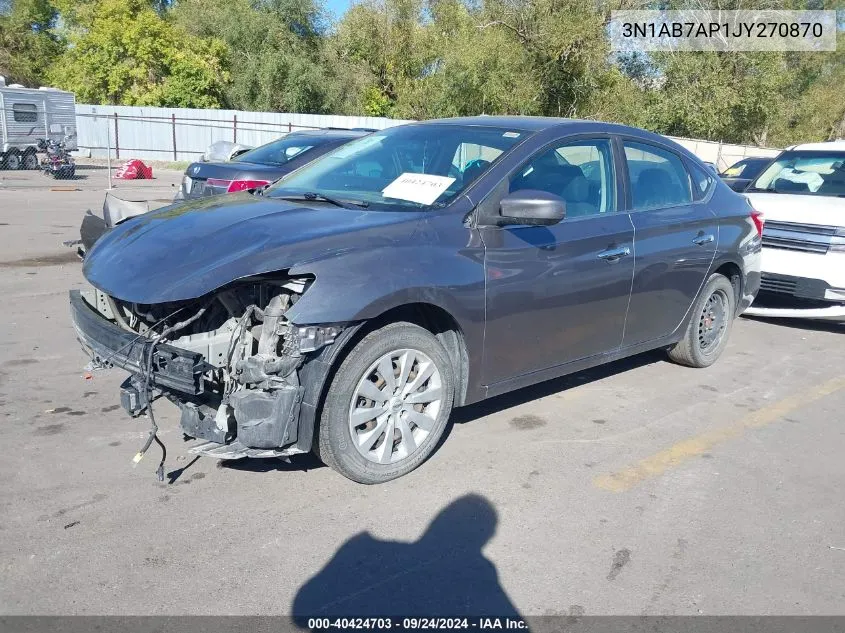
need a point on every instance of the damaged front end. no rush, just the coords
(230, 361)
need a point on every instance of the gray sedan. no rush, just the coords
(348, 308)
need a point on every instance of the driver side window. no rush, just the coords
(581, 173)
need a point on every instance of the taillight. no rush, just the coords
(757, 218)
(236, 185)
(218, 182)
(243, 185)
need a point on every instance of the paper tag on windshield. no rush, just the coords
(422, 188)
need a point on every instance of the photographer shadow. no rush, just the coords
(443, 574)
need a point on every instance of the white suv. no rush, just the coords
(802, 198)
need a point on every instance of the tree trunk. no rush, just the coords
(838, 131)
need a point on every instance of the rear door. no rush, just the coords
(676, 235)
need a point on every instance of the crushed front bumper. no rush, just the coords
(109, 345)
(265, 423)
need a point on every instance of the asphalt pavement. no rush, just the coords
(637, 488)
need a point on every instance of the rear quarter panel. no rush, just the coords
(738, 242)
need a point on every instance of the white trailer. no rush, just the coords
(28, 114)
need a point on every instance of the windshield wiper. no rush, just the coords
(310, 195)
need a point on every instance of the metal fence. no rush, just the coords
(723, 155)
(181, 134)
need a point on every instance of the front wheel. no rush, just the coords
(387, 405)
(709, 326)
(12, 160)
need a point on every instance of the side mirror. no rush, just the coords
(530, 206)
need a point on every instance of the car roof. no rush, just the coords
(527, 123)
(538, 123)
(754, 159)
(827, 146)
(329, 132)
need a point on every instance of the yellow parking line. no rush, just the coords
(677, 454)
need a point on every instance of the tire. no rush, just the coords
(12, 160)
(30, 161)
(709, 327)
(414, 419)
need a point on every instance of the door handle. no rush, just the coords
(613, 254)
(701, 240)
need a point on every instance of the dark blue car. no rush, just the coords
(265, 164)
(352, 305)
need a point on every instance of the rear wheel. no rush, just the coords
(387, 406)
(709, 326)
(30, 161)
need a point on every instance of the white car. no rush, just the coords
(802, 198)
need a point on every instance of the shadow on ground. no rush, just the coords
(802, 324)
(443, 573)
(543, 389)
(302, 463)
(463, 415)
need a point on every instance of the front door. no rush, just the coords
(556, 294)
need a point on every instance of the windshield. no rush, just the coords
(278, 152)
(804, 173)
(414, 166)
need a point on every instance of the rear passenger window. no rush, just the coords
(581, 173)
(701, 181)
(658, 177)
(24, 112)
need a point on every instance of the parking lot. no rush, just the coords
(640, 487)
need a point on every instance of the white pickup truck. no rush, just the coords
(802, 198)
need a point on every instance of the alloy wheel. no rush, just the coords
(395, 406)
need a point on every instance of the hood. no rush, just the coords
(187, 250)
(803, 209)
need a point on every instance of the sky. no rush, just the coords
(337, 7)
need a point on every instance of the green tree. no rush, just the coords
(433, 60)
(567, 47)
(815, 110)
(28, 43)
(732, 97)
(383, 39)
(124, 52)
(274, 48)
(458, 57)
